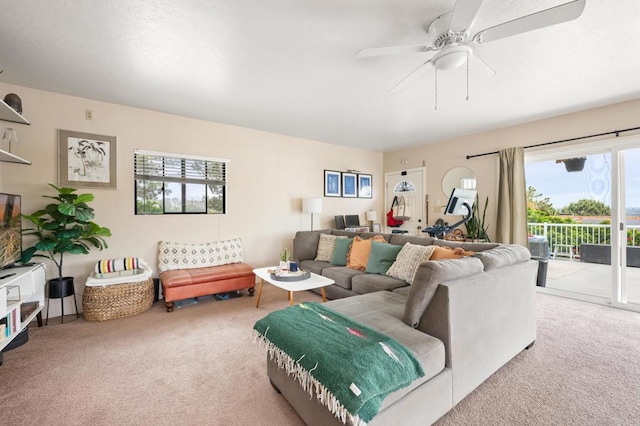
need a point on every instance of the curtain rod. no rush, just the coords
(614, 132)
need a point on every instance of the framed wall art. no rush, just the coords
(86, 160)
(349, 185)
(365, 186)
(332, 184)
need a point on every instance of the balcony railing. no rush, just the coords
(575, 234)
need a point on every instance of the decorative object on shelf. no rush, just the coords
(284, 260)
(372, 216)
(573, 164)
(349, 185)
(312, 205)
(376, 227)
(10, 136)
(63, 227)
(14, 102)
(86, 160)
(332, 187)
(365, 186)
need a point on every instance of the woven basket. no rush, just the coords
(117, 300)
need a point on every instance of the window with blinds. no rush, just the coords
(179, 184)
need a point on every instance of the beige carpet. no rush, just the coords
(199, 366)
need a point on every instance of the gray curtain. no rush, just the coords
(512, 198)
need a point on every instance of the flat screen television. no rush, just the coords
(10, 230)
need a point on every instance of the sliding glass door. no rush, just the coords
(584, 209)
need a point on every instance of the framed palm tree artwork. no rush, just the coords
(86, 160)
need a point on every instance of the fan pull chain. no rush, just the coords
(436, 92)
(467, 76)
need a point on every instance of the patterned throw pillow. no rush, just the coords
(184, 256)
(359, 254)
(408, 260)
(326, 245)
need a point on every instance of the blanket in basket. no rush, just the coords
(351, 367)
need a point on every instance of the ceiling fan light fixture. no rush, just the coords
(451, 57)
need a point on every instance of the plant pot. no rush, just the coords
(61, 287)
(574, 164)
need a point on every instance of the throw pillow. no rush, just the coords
(359, 253)
(340, 251)
(326, 245)
(408, 260)
(382, 257)
(449, 253)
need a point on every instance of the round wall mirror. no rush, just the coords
(458, 177)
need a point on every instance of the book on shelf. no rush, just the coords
(27, 309)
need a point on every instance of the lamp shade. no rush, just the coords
(372, 215)
(312, 205)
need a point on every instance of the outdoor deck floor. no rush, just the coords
(589, 278)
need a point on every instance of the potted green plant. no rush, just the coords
(64, 226)
(476, 226)
(284, 259)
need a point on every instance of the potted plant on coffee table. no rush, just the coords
(64, 226)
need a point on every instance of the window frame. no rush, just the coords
(170, 168)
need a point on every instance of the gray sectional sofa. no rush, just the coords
(463, 319)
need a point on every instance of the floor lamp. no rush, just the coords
(312, 205)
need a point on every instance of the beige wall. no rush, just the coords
(268, 176)
(442, 156)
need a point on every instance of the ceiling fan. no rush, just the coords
(451, 40)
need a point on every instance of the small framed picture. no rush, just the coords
(349, 185)
(376, 227)
(365, 188)
(86, 160)
(332, 184)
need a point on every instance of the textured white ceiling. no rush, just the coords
(289, 66)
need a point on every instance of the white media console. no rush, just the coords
(21, 299)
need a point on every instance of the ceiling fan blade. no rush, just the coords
(555, 15)
(463, 14)
(401, 82)
(394, 50)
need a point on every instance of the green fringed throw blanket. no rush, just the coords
(351, 367)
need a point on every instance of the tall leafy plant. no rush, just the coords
(476, 226)
(64, 226)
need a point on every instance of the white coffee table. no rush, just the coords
(314, 281)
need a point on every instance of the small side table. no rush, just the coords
(59, 289)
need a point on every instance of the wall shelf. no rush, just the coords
(8, 157)
(9, 114)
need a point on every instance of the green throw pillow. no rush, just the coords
(382, 257)
(340, 251)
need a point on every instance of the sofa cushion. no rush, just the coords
(402, 239)
(466, 245)
(359, 252)
(340, 251)
(341, 275)
(382, 257)
(383, 311)
(428, 276)
(369, 283)
(503, 255)
(306, 244)
(408, 260)
(314, 266)
(326, 245)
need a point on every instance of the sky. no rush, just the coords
(552, 180)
